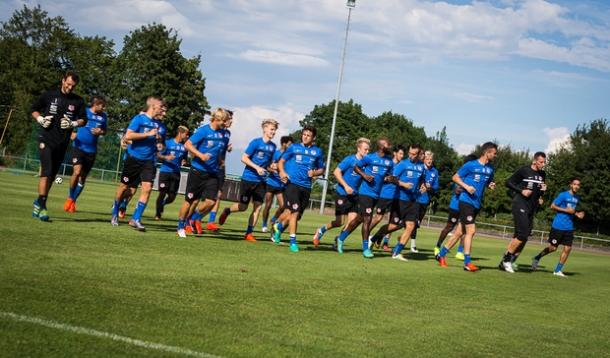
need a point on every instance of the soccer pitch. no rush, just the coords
(78, 287)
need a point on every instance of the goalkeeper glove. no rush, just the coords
(66, 123)
(45, 122)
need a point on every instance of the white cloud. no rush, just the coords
(283, 58)
(247, 126)
(464, 149)
(558, 137)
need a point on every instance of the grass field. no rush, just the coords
(219, 295)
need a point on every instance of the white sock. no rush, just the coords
(413, 243)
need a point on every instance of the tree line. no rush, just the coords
(36, 49)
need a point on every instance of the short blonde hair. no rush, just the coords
(429, 154)
(270, 121)
(220, 114)
(362, 140)
(183, 129)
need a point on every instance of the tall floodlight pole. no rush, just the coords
(350, 5)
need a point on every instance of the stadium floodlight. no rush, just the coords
(350, 5)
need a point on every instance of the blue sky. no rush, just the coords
(525, 73)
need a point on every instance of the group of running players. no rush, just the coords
(369, 185)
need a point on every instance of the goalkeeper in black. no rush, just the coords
(57, 112)
(527, 187)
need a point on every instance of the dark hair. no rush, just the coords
(312, 129)
(97, 99)
(286, 139)
(572, 179)
(415, 146)
(399, 147)
(487, 146)
(539, 154)
(75, 77)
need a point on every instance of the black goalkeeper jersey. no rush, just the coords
(526, 178)
(57, 104)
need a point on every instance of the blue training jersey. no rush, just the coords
(299, 160)
(273, 179)
(454, 204)
(389, 190)
(143, 149)
(377, 166)
(409, 172)
(432, 180)
(85, 140)
(210, 141)
(564, 221)
(479, 176)
(260, 153)
(180, 153)
(352, 178)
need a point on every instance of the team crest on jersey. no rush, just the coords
(313, 152)
(453, 220)
(189, 195)
(369, 210)
(295, 206)
(469, 218)
(339, 202)
(387, 162)
(126, 179)
(554, 241)
(71, 107)
(244, 198)
(396, 219)
(378, 211)
(210, 143)
(74, 160)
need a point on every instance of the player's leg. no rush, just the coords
(147, 176)
(220, 182)
(402, 241)
(565, 253)
(74, 179)
(247, 190)
(268, 203)
(421, 214)
(258, 196)
(342, 207)
(449, 226)
(367, 219)
(86, 164)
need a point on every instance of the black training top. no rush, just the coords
(55, 103)
(526, 178)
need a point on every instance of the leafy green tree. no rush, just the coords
(150, 63)
(35, 50)
(588, 158)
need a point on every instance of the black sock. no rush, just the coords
(42, 201)
(507, 257)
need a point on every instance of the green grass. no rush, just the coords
(221, 295)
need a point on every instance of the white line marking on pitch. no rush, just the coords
(112, 336)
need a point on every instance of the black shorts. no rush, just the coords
(274, 189)
(249, 190)
(524, 219)
(366, 204)
(561, 237)
(296, 198)
(383, 206)
(51, 158)
(468, 213)
(221, 179)
(346, 204)
(421, 212)
(453, 217)
(403, 211)
(136, 171)
(84, 159)
(169, 182)
(201, 184)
